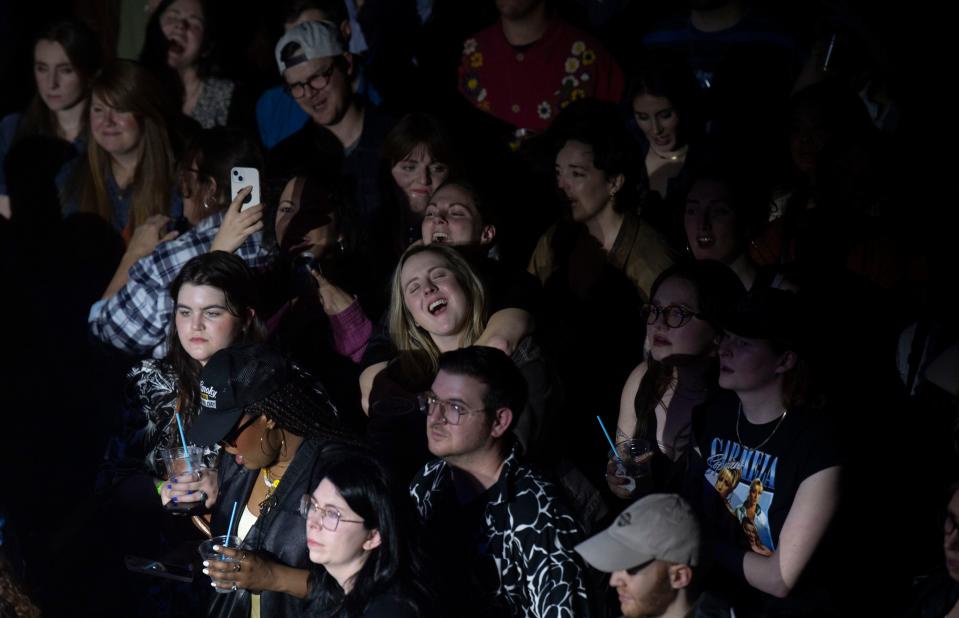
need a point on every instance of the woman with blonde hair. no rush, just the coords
(439, 304)
(127, 173)
(454, 318)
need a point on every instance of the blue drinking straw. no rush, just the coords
(608, 439)
(229, 529)
(179, 423)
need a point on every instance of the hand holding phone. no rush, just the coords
(245, 177)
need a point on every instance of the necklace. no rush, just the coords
(680, 154)
(768, 438)
(271, 484)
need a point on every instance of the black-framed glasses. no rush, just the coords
(330, 518)
(230, 438)
(317, 81)
(675, 316)
(452, 411)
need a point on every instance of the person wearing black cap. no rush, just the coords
(774, 434)
(275, 423)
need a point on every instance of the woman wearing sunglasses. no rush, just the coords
(274, 422)
(355, 534)
(680, 369)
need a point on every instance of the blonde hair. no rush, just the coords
(407, 336)
(128, 87)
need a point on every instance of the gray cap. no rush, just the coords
(657, 527)
(317, 39)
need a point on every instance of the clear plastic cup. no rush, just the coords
(206, 551)
(632, 459)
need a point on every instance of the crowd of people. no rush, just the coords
(520, 308)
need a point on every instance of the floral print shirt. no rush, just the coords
(527, 87)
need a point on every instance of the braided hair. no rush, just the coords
(303, 407)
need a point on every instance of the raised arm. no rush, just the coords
(145, 239)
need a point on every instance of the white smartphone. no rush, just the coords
(244, 177)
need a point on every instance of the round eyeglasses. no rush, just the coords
(330, 518)
(318, 81)
(675, 316)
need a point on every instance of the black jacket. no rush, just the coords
(279, 534)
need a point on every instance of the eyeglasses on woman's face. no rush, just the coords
(329, 517)
(675, 316)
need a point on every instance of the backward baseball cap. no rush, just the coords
(656, 527)
(316, 39)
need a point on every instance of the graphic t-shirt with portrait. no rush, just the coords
(753, 481)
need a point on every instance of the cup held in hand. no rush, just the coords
(632, 458)
(207, 553)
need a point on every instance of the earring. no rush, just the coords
(205, 205)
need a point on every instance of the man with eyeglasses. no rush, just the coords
(652, 551)
(498, 532)
(318, 72)
(278, 115)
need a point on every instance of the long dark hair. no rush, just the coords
(670, 78)
(83, 50)
(718, 289)
(156, 45)
(225, 272)
(363, 482)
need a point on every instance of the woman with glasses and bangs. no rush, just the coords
(355, 532)
(274, 422)
(680, 370)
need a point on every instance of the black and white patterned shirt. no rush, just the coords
(510, 551)
(147, 425)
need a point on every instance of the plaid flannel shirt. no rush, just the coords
(136, 318)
